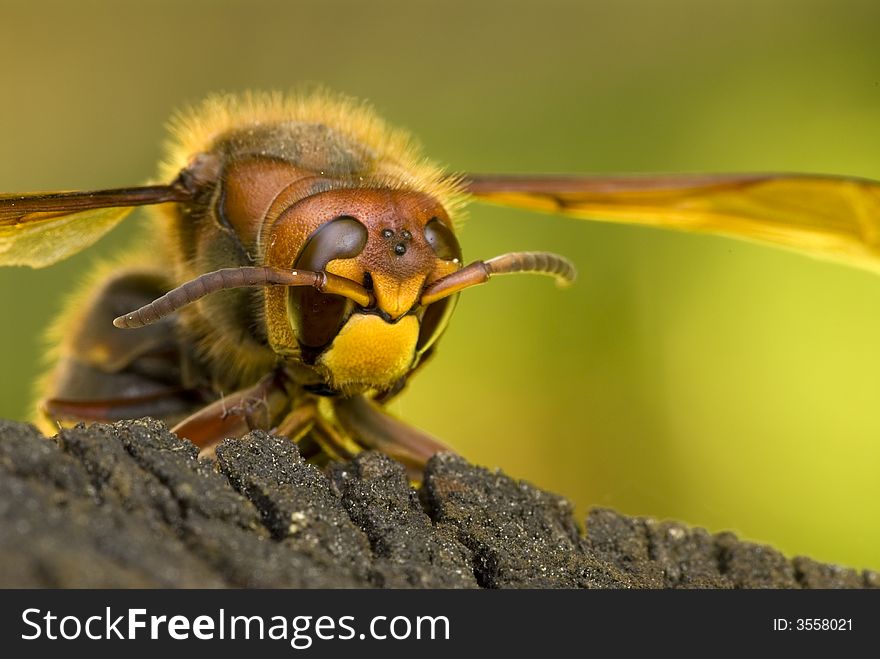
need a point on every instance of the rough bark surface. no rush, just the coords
(131, 505)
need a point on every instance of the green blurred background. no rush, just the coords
(696, 378)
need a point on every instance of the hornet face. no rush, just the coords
(393, 243)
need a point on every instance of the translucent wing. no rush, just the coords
(43, 228)
(835, 218)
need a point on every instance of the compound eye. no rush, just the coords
(316, 317)
(434, 322)
(442, 240)
(342, 238)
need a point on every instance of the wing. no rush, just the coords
(40, 229)
(835, 218)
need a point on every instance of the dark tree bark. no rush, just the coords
(131, 505)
